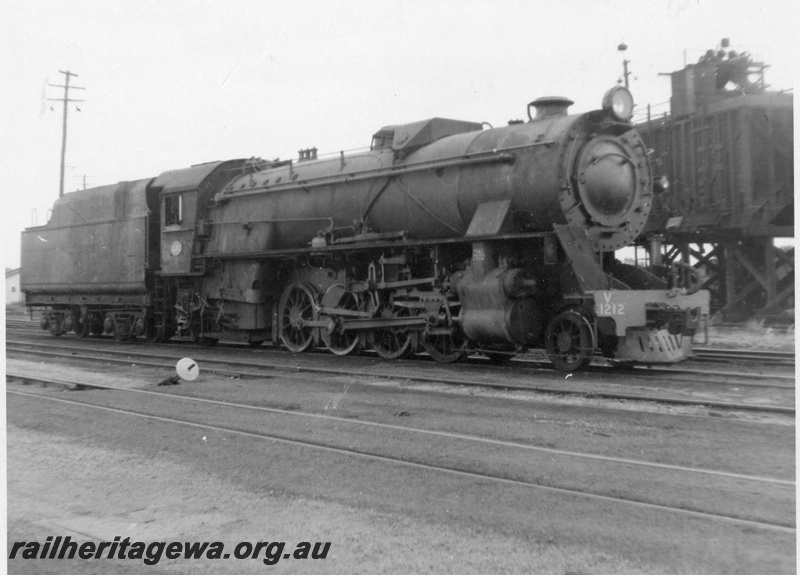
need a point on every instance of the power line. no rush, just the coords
(66, 100)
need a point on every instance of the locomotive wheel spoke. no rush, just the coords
(296, 307)
(390, 342)
(338, 341)
(569, 341)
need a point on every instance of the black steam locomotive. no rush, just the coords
(444, 237)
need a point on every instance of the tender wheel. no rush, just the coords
(335, 339)
(139, 328)
(569, 341)
(390, 342)
(55, 326)
(295, 309)
(122, 329)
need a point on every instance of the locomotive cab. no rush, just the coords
(183, 207)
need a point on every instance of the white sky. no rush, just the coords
(178, 82)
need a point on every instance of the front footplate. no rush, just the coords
(650, 326)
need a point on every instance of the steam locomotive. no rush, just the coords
(445, 236)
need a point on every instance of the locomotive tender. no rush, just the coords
(444, 237)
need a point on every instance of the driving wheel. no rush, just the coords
(295, 309)
(390, 342)
(339, 341)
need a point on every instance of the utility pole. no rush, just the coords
(66, 99)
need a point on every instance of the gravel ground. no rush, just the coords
(96, 475)
(99, 493)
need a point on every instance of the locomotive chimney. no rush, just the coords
(550, 106)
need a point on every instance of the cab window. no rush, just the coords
(173, 209)
(382, 139)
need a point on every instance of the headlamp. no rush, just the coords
(618, 103)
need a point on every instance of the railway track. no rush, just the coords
(389, 444)
(262, 367)
(703, 354)
(762, 357)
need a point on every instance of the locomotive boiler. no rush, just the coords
(445, 237)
